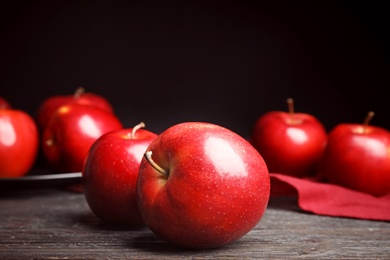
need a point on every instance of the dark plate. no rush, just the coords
(40, 181)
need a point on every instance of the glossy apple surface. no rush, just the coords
(19, 142)
(357, 156)
(201, 185)
(71, 132)
(110, 174)
(290, 143)
(51, 104)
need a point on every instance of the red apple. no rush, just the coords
(110, 174)
(4, 103)
(71, 132)
(290, 143)
(19, 142)
(357, 156)
(201, 185)
(51, 104)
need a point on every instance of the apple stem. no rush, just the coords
(368, 118)
(78, 92)
(135, 128)
(148, 157)
(290, 103)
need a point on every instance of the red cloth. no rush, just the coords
(331, 200)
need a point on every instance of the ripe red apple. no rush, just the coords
(110, 174)
(19, 142)
(201, 185)
(4, 103)
(357, 156)
(71, 132)
(51, 104)
(290, 143)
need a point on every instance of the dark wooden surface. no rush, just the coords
(57, 224)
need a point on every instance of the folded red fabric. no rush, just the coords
(331, 200)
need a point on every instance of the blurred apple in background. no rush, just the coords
(51, 104)
(357, 156)
(19, 142)
(290, 143)
(4, 103)
(110, 174)
(71, 132)
(201, 185)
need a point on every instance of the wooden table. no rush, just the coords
(58, 224)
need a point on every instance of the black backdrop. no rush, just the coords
(226, 62)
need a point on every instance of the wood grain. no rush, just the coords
(58, 224)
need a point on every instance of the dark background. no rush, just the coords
(225, 62)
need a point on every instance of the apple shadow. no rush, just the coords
(151, 243)
(89, 219)
(142, 238)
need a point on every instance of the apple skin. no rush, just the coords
(290, 143)
(51, 104)
(357, 156)
(19, 142)
(71, 132)
(215, 188)
(110, 173)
